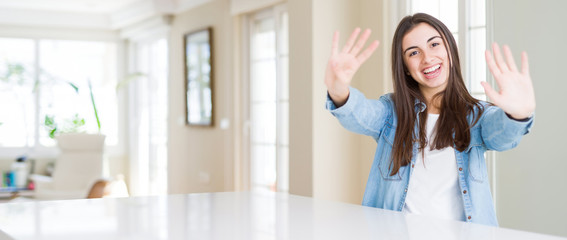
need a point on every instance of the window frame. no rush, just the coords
(245, 179)
(39, 151)
(137, 180)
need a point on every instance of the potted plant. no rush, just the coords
(75, 124)
(80, 162)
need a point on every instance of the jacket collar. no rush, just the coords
(419, 106)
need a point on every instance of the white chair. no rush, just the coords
(77, 168)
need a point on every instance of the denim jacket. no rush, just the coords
(377, 118)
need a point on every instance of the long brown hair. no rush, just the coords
(452, 127)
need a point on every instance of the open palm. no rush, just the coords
(344, 64)
(516, 94)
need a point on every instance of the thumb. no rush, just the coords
(490, 92)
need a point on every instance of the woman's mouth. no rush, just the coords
(432, 72)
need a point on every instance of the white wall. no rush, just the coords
(200, 153)
(372, 76)
(336, 161)
(531, 178)
(327, 161)
(301, 100)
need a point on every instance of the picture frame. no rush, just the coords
(199, 77)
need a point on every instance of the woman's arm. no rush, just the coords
(352, 109)
(499, 131)
(503, 126)
(344, 64)
(362, 115)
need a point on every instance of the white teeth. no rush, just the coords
(431, 69)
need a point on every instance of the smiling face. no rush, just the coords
(426, 58)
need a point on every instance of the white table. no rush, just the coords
(240, 215)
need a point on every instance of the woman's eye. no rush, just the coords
(435, 44)
(413, 53)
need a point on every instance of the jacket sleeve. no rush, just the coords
(500, 132)
(361, 115)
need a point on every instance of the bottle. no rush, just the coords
(20, 170)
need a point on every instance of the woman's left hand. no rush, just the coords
(516, 93)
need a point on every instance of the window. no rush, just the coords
(37, 79)
(148, 117)
(17, 99)
(269, 100)
(467, 21)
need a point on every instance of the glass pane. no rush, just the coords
(263, 120)
(263, 81)
(64, 63)
(284, 36)
(17, 96)
(263, 39)
(263, 166)
(430, 7)
(449, 14)
(477, 60)
(284, 91)
(269, 96)
(283, 169)
(157, 115)
(478, 13)
(445, 10)
(283, 123)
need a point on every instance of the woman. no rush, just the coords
(431, 133)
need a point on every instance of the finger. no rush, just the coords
(491, 93)
(335, 46)
(491, 64)
(361, 41)
(525, 65)
(350, 41)
(494, 69)
(509, 58)
(498, 58)
(368, 52)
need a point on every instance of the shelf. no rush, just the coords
(12, 192)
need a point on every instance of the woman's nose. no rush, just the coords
(427, 57)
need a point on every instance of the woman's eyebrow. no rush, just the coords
(428, 40)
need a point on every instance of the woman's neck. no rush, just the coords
(433, 103)
(433, 110)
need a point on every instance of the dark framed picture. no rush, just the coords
(199, 77)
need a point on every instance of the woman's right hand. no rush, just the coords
(343, 65)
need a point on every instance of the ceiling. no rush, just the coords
(77, 6)
(86, 14)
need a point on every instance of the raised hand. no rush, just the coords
(343, 65)
(516, 93)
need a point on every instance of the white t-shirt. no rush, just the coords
(434, 186)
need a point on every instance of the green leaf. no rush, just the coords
(52, 133)
(77, 121)
(49, 121)
(74, 87)
(94, 105)
(131, 77)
